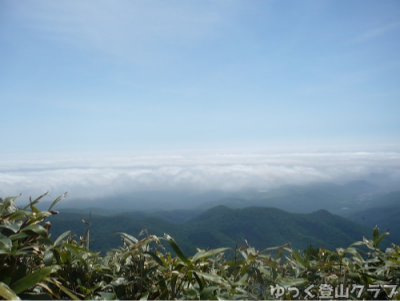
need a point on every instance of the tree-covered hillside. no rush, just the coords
(384, 213)
(259, 226)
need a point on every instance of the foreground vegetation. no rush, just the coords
(33, 265)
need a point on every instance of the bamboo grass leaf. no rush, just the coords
(130, 239)
(61, 237)
(176, 248)
(208, 293)
(48, 258)
(211, 277)
(7, 293)
(202, 254)
(37, 229)
(57, 200)
(8, 204)
(155, 257)
(32, 279)
(32, 203)
(65, 290)
(17, 214)
(298, 258)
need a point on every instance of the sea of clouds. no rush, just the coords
(101, 176)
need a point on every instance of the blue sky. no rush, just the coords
(166, 75)
(85, 78)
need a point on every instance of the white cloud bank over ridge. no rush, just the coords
(101, 177)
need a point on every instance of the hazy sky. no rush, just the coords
(92, 77)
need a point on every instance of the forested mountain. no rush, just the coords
(220, 226)
(301, 215)
(385, 213)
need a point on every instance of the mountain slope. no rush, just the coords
(265, 227)
(385, 214)
(221, 227)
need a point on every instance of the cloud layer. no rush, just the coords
(104, 176)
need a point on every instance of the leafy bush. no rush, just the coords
(33, 266)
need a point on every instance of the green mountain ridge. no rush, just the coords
(385, 214)
(221, 226)
(352, 196)
(264, 227)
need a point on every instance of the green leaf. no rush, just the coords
(298, 282)
(18, 214)
(208, 293)
(7, 293)
(129, 238)
(8, 204)
(32, 279)
(119, 281)
(31, 204)
(297, 257)
(76, 252)
(176, 249)
(77, 249)
(375, 234)
(39, 198)
(155, 257)
(19, 273)
(108, 296)
(48, 258)
(37, 229)
(18, 236)
(57, 200)
(13, 227)
(243, 254)
(380, 238)
(61, 237)
(285, 246)
(357, 243)
(202, 254)
(192, 293)
(145, 297)
(85, 222)
(200, 281)
(354, 252)
(5, 244)
(242, 281)
(65, 290)
(39, 216)
(211, 277)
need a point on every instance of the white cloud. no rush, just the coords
(99, 177)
